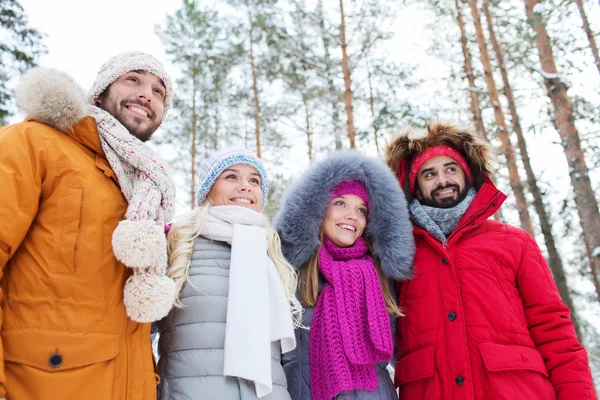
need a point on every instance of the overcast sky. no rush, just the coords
(82, 35)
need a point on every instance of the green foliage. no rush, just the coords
(20, 49)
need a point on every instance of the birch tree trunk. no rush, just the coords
(194, 136)
(257, 117)
(372, 104)
(585, 199)
(333, 93)
(507, 147)
(554, 260)
(347, 79)
(309, 141)
(589, 33)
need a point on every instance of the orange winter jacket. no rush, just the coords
(65, 334)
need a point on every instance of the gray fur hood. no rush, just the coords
(304, 207)
(52, 97)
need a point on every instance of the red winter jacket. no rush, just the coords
(484, 319)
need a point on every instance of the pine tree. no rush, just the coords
(554, 259)
(502, 131)
(198, 43)
(20, 50)
(590, 35)
(585, 199)
(469, 74)
(347, 79)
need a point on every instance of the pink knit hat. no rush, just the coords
(439, 150)
(351, 187)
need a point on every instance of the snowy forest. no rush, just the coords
(291, 80)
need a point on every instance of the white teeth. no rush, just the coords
(138, 110)
(347, 227)
(241, 200)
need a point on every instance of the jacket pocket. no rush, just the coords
(63, 365)
(415, 375)
(516, 372)
(70, 210)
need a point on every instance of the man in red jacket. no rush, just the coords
(484, 319)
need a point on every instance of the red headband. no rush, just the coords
(439, 150)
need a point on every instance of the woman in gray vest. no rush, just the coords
(237, 307)
(344, 225)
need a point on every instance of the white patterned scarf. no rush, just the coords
(258, 311)
(139, 240)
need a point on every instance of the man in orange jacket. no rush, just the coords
(82, 247)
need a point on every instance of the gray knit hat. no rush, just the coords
(124, 63)
(218, 161)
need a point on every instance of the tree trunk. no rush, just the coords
(588, 252)
(473, 95)
(309, 141)
(475, 109)
(333, 93)
(588, 32)
(507, 147)
(254, 86)
(554, 260)
(347, 81)
(194, 135)
(585, 199)
(372, 104)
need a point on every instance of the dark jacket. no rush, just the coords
(388, 229)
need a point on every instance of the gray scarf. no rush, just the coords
(440, 222)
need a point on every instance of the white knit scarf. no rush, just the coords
(258, 311)
(139, 240)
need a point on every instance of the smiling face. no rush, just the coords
(441, 183)
(346, 220)
(238, 185)
(136, 99)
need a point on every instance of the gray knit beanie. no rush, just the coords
(124, 63)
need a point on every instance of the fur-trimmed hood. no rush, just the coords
(388, 227)
(52, 97)
(411, 141)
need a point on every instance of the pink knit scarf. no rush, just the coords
(351, 327)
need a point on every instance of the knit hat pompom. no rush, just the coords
(435, 151)
(139, 244)
(127, 62)
(351, 187)
(148, 297)
(218, 162)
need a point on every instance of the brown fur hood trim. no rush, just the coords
(410, 141)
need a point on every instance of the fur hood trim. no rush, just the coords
(52, 97)
(388, 227)
(410, 141)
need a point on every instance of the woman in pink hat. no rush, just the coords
(345, 227)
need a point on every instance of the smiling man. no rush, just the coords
(82, 247)
(483, 318)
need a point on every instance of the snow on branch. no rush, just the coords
(477, 90)
(549, 75)
(539, 8)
